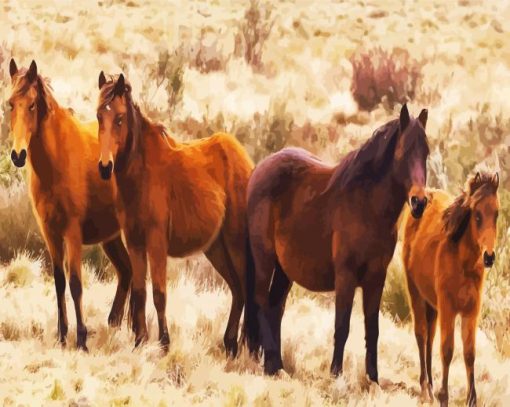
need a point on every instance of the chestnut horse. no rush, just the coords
(174, 199)
(71, 205)
(331, 228)
(444, 257)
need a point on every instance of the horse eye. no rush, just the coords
(32, 107)
(119, 122)
(478, 219)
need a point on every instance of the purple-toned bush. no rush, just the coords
(379, 75)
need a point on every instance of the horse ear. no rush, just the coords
(120, 86)
(102, 80)
(495, 180)
(32, 72)
(424, 114)
(478, 178)
(13, 68)
(404, 117)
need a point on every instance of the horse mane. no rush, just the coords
(456, 217)
(44, 97)
(371, 160)
(136, 120)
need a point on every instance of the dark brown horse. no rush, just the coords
(331, 228)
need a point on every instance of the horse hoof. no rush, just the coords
(114, 320)
(272, 362)
(231, 348)
(282, 374)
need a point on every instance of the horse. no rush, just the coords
(71, 206)
(444, 255)
(174, 199)
(330, 228)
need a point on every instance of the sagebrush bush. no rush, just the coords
(254, 31)
(22, 270)
(18, 228)
(383, 76)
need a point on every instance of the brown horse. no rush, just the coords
(174, 199)
(444, 256)
(72, 207)
(331, 228)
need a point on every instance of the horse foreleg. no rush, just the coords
(447, 325)
(73, 250)
(138, 259)
(56, 248)
(372, 292)
(345, 285)
(157, 251)
(119, 257)
(421, 333)
(431, 314)
(468, 339)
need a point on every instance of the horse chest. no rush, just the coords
(467, 296)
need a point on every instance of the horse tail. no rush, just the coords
(251, 324)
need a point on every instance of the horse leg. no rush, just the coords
(138, 260)
(447, 325)
(218, 255)
(468, 340)
(118, 255)
(372, 292)
(157, 251)
(55, 246)
(73, 251)
(420, 332)
(345, 285)
(278, 293)
(431, 315)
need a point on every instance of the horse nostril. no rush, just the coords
(105, 171)
(489, 259)
(414, 200)
(23, 155)
(14, 156)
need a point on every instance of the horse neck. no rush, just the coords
(46, 146)
(149, 145)
(469, 250)
(387, 198)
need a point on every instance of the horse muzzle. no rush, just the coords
(106, 170)
(20, 159)
(489, 259)
(418, 206)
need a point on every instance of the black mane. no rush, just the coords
(370, 161)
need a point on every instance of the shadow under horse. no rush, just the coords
(331, 228)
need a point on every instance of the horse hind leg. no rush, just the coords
(118, 255)
(280, 288)
(219, 256)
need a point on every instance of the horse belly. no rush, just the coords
(99, 226)
(306, 261)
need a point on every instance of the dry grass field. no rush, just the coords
(321, 75)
